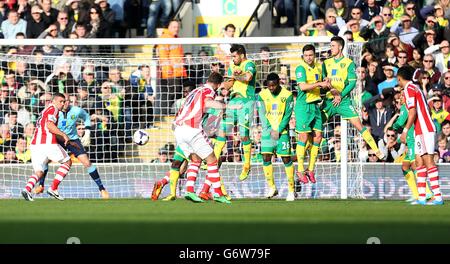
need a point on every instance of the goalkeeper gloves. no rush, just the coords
(86, 139)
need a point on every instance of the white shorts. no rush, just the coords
(424, 144)
(193, 140)
(43, 153)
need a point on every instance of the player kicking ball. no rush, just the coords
(275, 106)
(44, 147)
(67, 122)
(424, 140)
(192, 139)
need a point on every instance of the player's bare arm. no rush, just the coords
(242, 77)
(55, 130)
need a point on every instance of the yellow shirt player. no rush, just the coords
(275, 109)
(242, 74)
(341, 71)
(307, 111)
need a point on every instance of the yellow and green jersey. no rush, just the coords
(275, 110)
(305, 73)
(342, 73)
(401, 122)
(439, 116)
(314, 33)
(244, 89)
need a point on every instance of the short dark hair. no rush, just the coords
(445, 122)
(12, 113)
(406, 72)
(309, 47)
(190, 84)
(230, 26)
(339, 40)
(273, 77)
(240, 49)
(55, 95)
(215, 78)
(265, 48)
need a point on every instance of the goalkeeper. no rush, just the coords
(243, 74)
(67, 122)
(275, 106)
(341, 72)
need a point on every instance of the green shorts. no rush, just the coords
(242, 117)
(410, 155)
(179, 155)
(308, 117)
(345, 109)
(282, 146)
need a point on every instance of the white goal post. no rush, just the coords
(126, 169)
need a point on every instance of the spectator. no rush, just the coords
(389, 145)
(425, 39)
(424, 82)
(98, 27)
(285, 15)
(61, 80)
(398, 45)
(402, 59)
(108, 14)
(315, 28)
(417, 59)
(29, 96)
(10, 156)
(89, 81)
(29, 132)
(134, 14)
(119, 25)
(388, 17)
(4, 102)
(372, 157)
(356, 15)
(141, 82)
(73, 10)
(13, 25)
(440, 15)
(36, 25)
(23, 153)
(378, 118)
(223, 50)
(11, 83)
(390, 81)
(7, 139)
(110, 102)
(438, 114)
(22, 74)
(4, 9)
(172, 71)
(404, 29)
(266, 64)
(87, 100)
(369, 9)
(15, 127)
(63, 24)
(74, 62)
(412, 10)
(441, 53)
(377, 36)
(163, 7)
(163, 156)
(49, 13)
(23, 9)
(81, 33)
(330, 21)
(442, 149)
(341, 9)
(365, 84)
(428, 66)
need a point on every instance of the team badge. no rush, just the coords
(283, 100)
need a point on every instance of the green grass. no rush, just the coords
(245, 221)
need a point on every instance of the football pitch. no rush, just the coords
(244, 221)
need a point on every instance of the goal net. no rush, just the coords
(124, 92)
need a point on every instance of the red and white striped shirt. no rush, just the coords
(192, 111)
(41, 134)
(414, 98)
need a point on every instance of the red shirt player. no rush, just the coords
(44, 148)
(193, 140)
(424, 135)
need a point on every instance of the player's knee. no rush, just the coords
(267, 158)
(176, 164)
(405, 166)
(286, 160)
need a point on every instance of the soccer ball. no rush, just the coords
(140, 137)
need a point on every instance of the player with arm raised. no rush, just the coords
(44, 147)
(275, 106)
(424, 137)
(307, 111)
(67, 123)
(342, 74)
(193, 140)
(242, 72)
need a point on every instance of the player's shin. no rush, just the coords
(434, 182)
(313, 156)
(268, 173)
(191, 174)
(214, 177)
(93, 172)
(206, 185)
(174, 175)
(421, 181)
(410, 180)
(219, 145)
(31, 182)
(300, 150)
(42, 179)
(246, 146)
(289, 168)
(369, 139)
(62, 171)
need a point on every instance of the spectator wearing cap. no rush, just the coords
(89, 81)
(379, 116)
(441, 54)
(13, 25)
(404, 30)
(429, 66)
(390, 81)
(438, 113)
(377, 32)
